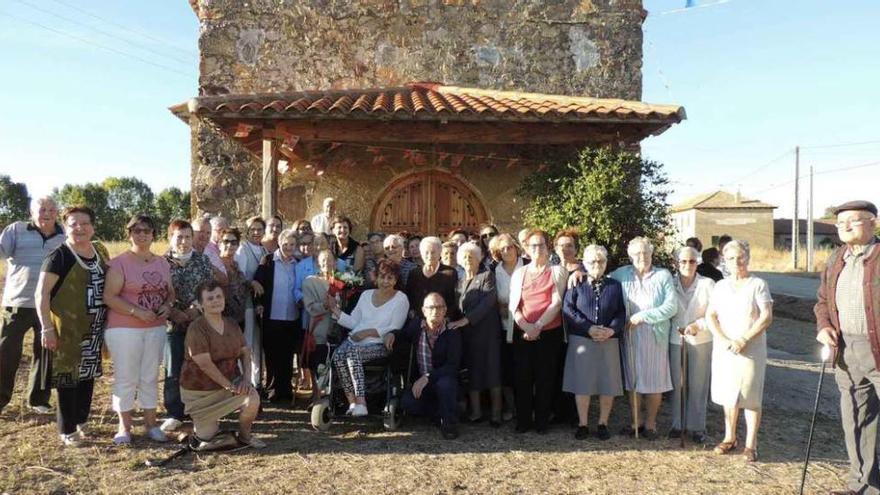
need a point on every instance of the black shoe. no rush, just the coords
(495, 423)
(582, 433)
(649, 435)
(523, 428)
(674, 433)
(603, 433)
(541, 430)
(449, 432)
(478, 419)
(698, 438)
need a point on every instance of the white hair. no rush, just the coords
(639, 241)
(36, 202)
(328, 200)
(737, 245)
(430, 241)
(687, 249)
(595, 250)
(217, 221)
(393, 240)
(468, 247)
(287, 234)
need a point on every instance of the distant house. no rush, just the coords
(824, 233)
(709, 216)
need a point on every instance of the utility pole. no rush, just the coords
(810, 227)
(795, 228)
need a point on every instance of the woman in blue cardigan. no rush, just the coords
(595, 315)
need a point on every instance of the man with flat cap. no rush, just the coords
(848, 319)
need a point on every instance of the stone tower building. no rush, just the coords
(527, 68)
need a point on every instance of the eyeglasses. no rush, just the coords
(488, 235)
(687, 262)
(595, 262)
(535, 246)
(433, 308)
(138, 230)
(858, 222)
(229, 241)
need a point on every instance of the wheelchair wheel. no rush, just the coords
(392, 415)
(321, 415)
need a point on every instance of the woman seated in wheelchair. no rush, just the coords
(211, 384)
(378, 312)
(438, 354)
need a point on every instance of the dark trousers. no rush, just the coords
(174, 353)
(14, 324)
(281, 340)
(537, 363)
(439, 400)
(74, 404)
(564, 409)
(859, 382)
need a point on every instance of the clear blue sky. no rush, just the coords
(757, 77)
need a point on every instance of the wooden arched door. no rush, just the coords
(428, 203)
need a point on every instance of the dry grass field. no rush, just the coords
(359, 457)
(779, 260)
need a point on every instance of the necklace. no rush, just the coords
(145, 259)
(81, 263)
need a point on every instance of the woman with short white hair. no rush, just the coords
(651, 302)
(691, 330)
(432, 276)
(395, 247)
(478, 302)
(740, 311)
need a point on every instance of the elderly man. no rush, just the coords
(202, 234)
(321, 221)
(848, 319)
(438, 353)
(24, 245)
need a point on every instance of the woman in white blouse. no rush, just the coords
(508, 254)
(378, 312)
(689, 325)
(740, 311)
(248, 257)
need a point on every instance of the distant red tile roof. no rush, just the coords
(432, 101)
(720, 200)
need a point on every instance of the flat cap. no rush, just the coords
(856, 205)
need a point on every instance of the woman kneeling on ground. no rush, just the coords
(210, 383)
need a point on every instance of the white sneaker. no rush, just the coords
(81, 431)
(351, 408)
(359, 410)
(122, 438)
(171, 424)
(256, 443)
(71, 440)
(157, 435)
(41, 409)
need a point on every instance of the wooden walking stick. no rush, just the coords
(634, 397)
(683, 391)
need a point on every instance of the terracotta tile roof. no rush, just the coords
(430, 101)
(720, 200)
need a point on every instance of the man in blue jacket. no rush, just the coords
(438, 354)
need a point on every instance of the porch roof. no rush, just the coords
(433, 113)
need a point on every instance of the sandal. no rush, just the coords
(725, 447)
(750, 455)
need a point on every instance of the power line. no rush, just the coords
(758, 169)
(105, 33)
(823, 172)
(125, 28)
(98, 45)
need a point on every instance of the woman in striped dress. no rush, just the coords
(651, 302)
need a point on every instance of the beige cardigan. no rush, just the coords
(314, 291)
(560, 278)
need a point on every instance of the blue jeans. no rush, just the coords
(174, 352)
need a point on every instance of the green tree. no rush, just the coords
(126, 197)
(94, 196)
(13, 201)
(610, 196)
(171, 203)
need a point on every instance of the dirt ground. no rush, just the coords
(359, 457)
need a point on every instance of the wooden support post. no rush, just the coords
(270, 178)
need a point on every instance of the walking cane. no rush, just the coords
(634, 397)
(683, 394)
(826, 355)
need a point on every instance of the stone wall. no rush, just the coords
(575, 47)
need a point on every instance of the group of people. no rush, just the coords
(538, 330)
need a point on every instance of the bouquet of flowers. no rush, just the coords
(346, 288)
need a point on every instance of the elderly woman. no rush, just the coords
(740, 311)
(279, 316)
(595, 315)
(449, 257)
(375, 251)
(237, 288)
(72, 313)
(344, 247)
(139, 293)
(477, 301)
(378, 312)
(395, 247)
(189, 269)
(274, 227)
(413, 249)
(508, 256)
(690, 329)
(536, 293)
(210, 382)
(316, 317)
(248, 257)
(432, 276)
(651, 302)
